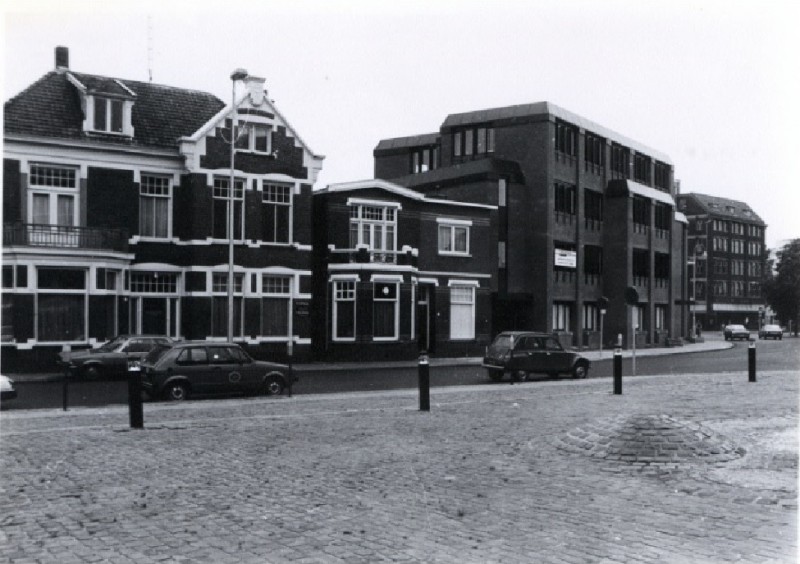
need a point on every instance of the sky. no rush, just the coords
(713, 84)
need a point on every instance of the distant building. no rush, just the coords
(115, 216)
(727, 238)
(397, 272)
(584, 214)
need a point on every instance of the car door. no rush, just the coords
(524, 353)
(251, 373)
(192, 362)
(225, 373)
(556, 358)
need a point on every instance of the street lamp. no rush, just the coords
(698, 250)
(238, 74)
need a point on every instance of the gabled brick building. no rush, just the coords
(584, 213)
(115, 215)
(727, 237)
(397, 272)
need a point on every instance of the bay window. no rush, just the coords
(375, 227)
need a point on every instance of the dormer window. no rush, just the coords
(108, 115)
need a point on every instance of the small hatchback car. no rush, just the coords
(176, 372)
(732, 332)
(520, 353)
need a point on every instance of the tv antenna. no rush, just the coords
(150, 46)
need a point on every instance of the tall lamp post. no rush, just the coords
(698, 250)
(238, 74)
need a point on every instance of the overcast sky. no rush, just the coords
(712, 84)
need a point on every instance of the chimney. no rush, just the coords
(62, 58)
(255, 88)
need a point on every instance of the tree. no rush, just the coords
(782, 291)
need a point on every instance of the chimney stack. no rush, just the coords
(62, 58)
(255, 88)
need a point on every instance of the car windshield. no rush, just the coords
(771, 328)
(154, 355)
(112, 344)
(736, 327)
(503, 342)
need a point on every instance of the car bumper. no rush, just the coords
(492, 366)
(8, 395)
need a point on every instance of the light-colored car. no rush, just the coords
(732, 332)
(113, 359)
(771, 332)
(7, 389)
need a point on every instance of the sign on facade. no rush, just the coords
(567, 259)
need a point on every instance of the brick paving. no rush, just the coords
(532, 472)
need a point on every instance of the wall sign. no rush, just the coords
(567, 259)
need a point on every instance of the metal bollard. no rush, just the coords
(64, 383)
(617, 372)
(751, 362)
(424, 382)
(135, 397)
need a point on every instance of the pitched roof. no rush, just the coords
(715, 205)
(51, 107)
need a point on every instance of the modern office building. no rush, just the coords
(116, 201)
(726, 243)
(584, 214)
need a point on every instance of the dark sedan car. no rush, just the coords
(201, 368)
(113, 358)
(521, 353)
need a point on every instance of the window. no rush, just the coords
(641, 214)
(737, 228)
(591, 316)
(564, 262)
(61, 304)
(385, 313)
(720, 288)
(566, 138)
(8, 276)
(107, 279)
(154, 282)
(754, 248)
(737, 267)
(620, 161)
(275, 305)
(154, 206)
(661, 269)
(661, 317)
(592, 208)
(737, 288)
(754, 269)
(107, 115)
(462, 312)
(375, 227)
(501, 254)
(277, 212)
(473, 141)
(661, 176)
(737, 246)
(194, 355)
(254, 137)
(221, 195)
(720, 244)
(639, 318)
(564, 199)
(344, 310)
(592, 263)
(453, 238)
(663, 219)
(641, 168)
(594, 150)
(219, 305)
(754, 289)
(502, 192)
(562, 313)
(53, 195)
(720, 266)
(641, 267)
(424, 159)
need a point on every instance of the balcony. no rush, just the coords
(362, 255)
(64, 237)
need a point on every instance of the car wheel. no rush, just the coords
(521, 376)
(273, 386)
(580, 371)
(176, 392)
(496, 375)
(92, 372)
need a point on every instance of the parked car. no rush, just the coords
(771, 332)
(201, 368)
(7, 389)
(113, 358)
(732, 332)
(520, 353)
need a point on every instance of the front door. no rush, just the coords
(424, 317)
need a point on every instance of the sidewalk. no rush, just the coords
(711, 344)
(680, 468)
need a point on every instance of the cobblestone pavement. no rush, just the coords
(493, 473)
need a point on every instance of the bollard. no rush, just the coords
(424, 382)
(617, 372)
(290, 352)
(751, 362)
(64, 384)
(135, 396)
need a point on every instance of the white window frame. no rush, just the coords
(109, 104)
(52, 192)
(269, 197)
(238, 195)
(373, 225)
(250, 133)
(452, 225)
(468, 287)
(349, 296)
(396, 309)
(144, 194)
(282, 292)
(83, 292)
(562, 316)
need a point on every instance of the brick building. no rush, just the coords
(584, 214)
(397, 272)
(727, 237)
(115, 216)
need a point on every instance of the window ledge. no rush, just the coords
(455, 254)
